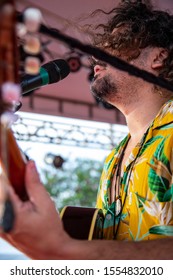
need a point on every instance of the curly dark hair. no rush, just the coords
(139, 26)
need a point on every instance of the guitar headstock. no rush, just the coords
(8, 57)
(8, 75)
(12, 160)
(14, 36)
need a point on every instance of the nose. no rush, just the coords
(98, 68)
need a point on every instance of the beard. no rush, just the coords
(104, 89)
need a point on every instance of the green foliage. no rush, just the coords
(75, 184)
(162, 230)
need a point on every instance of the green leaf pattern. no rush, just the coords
(148, 194)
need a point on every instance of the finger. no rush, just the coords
(35, 189)
(7, 190)
(17, 203)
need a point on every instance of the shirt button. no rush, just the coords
(108, 216)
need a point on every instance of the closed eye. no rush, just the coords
(93, 62)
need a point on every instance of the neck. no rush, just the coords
(140, 115)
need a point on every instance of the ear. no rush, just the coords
(160, 55)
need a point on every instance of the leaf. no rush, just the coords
(162, 230)
(168, 196)
(159, 174)
(148, 143)
(160, 168)
(140, 200)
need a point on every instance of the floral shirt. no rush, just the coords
(146, 188)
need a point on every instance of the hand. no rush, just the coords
(38, 230)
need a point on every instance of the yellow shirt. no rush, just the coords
(146, 189)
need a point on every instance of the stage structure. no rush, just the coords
(72, 133)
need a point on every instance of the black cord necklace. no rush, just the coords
(118, 204)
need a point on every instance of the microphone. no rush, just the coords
(50, 73)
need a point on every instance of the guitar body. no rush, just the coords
(83, 222)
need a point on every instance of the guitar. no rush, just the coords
(12, 159)
(79, 222)
(83, 222)
(11, 163)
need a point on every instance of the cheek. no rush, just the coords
(116, 75)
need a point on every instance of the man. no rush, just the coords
(136, 192)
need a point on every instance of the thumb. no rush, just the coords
(34, 187)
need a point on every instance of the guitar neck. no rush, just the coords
(13, 162)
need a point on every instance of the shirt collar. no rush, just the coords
(165, 115)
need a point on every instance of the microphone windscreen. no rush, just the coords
(57, 70)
